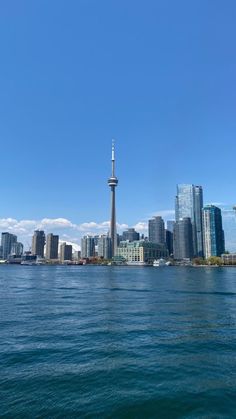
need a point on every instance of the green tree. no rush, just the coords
(214, 260)
(199, 261)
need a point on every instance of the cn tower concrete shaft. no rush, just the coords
(113, 182)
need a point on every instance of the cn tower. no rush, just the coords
(112, 182)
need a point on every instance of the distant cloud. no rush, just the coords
(56, 223)
(72, 233)
(141, 227)
(68, 231)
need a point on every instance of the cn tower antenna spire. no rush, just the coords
(113, 158)
(112, 182)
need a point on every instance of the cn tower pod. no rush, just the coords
(112, 181)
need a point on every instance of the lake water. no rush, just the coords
(117, 342)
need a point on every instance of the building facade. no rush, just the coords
(189, 203)
(156, 230)
(17, 249)
(130, 235)
(38, 243)
(170, 225)
(229, 258)
(7, 242)
(213, 233)
(52, 246)
(104, 249)
(65, 252)
(183, 239)
(141, 252)
(87, 247)
(169, 241)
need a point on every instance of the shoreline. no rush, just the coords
(112, 266)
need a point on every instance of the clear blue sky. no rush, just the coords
(159, 76)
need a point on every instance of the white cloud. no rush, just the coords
(141, 227)
(72, 233)
(56, 223)
(68, 231)
(75, 246)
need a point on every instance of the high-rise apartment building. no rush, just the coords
(7, 242)
(104, 247)
(87, 247)
(156, 230)
(213, 233)
(52, 246)
(189, 203)
(38, 243)
(198, 206)
(65, 252)
(17, 249)
(130, 235)
(170, 236)
(170, 225)
(183, 239)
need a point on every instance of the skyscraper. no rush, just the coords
(189, 203)
(104, 247)
(65, 252)
(52, 246)
(38, 243)
(87, 247)
(112, 182)
(156, 230)
(213, 233)
(183, 239)
(198, 206)
(8, 240)
(130, 235)
(17, 249)
(170, 225)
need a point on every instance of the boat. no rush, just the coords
(159, 262)
(28, 259)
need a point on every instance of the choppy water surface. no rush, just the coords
(117, 342)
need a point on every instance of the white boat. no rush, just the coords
(159, 262)
(134, 263)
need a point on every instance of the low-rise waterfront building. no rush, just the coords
(229, 258)
(141, 252)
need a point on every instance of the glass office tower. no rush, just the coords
(189, 203)
(214, 241)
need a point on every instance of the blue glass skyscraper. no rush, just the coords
(189, 203)
(214, 242)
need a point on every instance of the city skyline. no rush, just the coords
(72, 232)
(167, 93)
